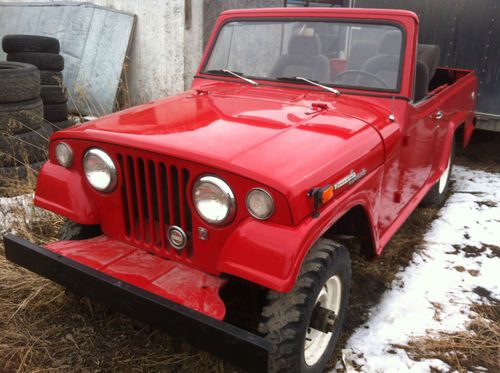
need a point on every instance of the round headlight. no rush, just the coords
(99, 170)
(214, 201)
(64, 154)
(260, 204)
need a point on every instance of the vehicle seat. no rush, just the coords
(360, 52)
(329, 41)
(385, 64)
(427, 61)
(429, 54)
(304, 59)
(421, 81)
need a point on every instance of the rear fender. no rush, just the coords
(460, 118)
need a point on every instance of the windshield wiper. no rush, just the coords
(238, 75)
(295, 78)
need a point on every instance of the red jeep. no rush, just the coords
(215, 213)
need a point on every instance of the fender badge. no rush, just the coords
(350, 179)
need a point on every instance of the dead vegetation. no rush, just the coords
(472, 350)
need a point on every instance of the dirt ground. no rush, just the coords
(44, 329)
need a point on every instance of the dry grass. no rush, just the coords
(477, 347)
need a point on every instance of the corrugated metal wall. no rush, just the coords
(468, 32)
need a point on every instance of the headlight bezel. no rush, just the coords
(252, 213)
(70, 151)
(225, 189)
(109, 163)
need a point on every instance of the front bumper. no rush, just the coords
(227, 341)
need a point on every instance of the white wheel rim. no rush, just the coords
(444, 177)
(316, 341)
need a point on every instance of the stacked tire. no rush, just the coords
(23, 132)
(43, 52)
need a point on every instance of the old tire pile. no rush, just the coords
(43, 52)
(23, 133)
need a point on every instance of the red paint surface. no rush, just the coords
(286, 138)
(190, 287)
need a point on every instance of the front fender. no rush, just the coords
(271, 255)
(62, 191)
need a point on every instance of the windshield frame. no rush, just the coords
(383, 22)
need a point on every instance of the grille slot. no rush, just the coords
(154, 196)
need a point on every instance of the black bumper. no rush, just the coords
(224, 340)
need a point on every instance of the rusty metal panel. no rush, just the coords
(468, 32)
(94, 42)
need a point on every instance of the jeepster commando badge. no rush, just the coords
(350, 179)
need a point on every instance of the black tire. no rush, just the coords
(20, 172)
(286, 316)
(62, 125)
(48, 77)
(56, 113)
(29, 147)
(71, 231)
(30, 43)
(18, 82)
(19, 117)
(43, 61)
(53, 94)
(436, 197)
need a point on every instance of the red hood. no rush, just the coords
(271, 135)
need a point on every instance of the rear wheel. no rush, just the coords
(304, 324)
(437, 195)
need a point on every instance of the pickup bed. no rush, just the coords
(221, 214)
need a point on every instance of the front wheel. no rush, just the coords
(304, 324)
(437, 195)
(71, 231)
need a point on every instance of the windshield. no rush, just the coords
(343, 54)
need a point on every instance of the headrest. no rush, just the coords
(429, 55)
(391, 43)
(307, 42)
(361, 52)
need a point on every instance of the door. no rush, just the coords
(419, 147)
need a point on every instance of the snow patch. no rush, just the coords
(435, 292)
(16, 211)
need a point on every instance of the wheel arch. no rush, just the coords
(461, 123)
(354, 227)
